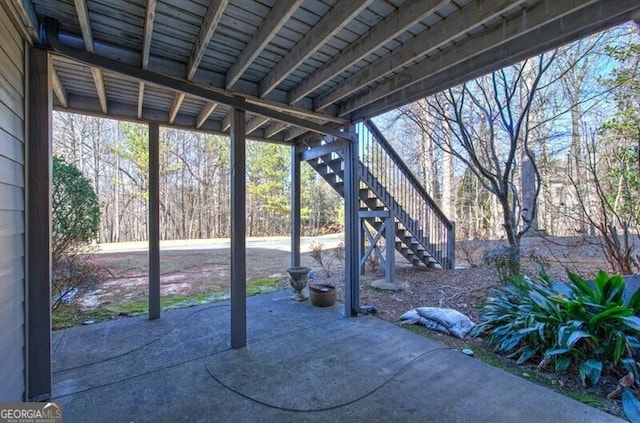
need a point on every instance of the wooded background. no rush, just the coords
(577, 147)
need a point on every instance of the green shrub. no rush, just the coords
(576, 326)
(75, 213)
(75, 218)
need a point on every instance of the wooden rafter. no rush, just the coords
(140, 99)
(185, 87)
(98, 79)
(275, 129)
(208, 27)
(176, 70)
(149, 17)
(523, 28)
(470, 16)
(407, 15)
(273, 22)
(175, 106)
(85, 26)
(256, 123)
(205, 113)
(341, 14)
(226, 122)
(58, 88)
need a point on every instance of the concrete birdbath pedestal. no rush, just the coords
(298, 276)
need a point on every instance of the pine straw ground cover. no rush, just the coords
(466, 289)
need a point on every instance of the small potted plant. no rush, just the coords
(321, 294)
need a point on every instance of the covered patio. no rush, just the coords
(299, 72)
(301, 364)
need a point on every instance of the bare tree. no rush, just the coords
(487, 123)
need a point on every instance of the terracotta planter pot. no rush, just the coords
(322, 295)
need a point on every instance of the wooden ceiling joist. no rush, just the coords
(149, 17)
(407, 15)
(479, 55)
(182, 86)
(58, 88)
(85, 26)
(208, 27)
(175, 106)
(273, 22)
(255, 123)
(312, 64)
(275, 128)
(426, 42)
(140, 99)
(342, 13)
(205, 113)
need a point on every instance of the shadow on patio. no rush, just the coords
(301, 363)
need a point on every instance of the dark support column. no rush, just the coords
(154, 221)
(238, 231)
(351, 230)
(390, 248)
(295, 206)
(39, 228)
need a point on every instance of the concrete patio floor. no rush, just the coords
(301, 364)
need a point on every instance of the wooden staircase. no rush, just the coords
(423, 234)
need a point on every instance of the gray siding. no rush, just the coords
(12, 207)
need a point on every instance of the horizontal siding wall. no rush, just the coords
(12, 201)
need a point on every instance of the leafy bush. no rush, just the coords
(576, 326)
(75, 211)
(75, 216)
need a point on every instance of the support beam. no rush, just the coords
(273, 22)
(471, 16)
(339, 16)
(58, 88)
(183, 86)
(85, 26)
(175, 106)
(208, 27)
(238, 231)
(296, 221)
(140, 99)
(393, 25)
(351, 231)
(149, 16)
(205, 79)
(154, 221)
(205, 113)
(527, 36)
(390, 248)
(38, 295)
